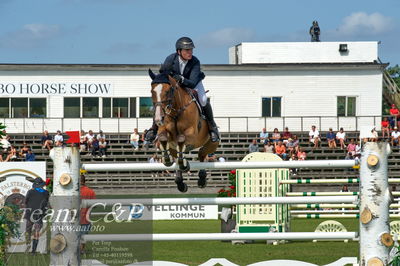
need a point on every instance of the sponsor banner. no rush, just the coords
(167, 212)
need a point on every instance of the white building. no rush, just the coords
(264, 84)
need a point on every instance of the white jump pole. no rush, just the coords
(222, 201)
(222, 236)
(330, 181)
(322, 206)
(375, 198)
(101, 167)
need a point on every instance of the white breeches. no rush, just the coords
(201, 93)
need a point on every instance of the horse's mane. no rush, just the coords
(161, 78)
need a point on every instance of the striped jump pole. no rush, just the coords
(327, 205)
(332, 216)
(330, 181)
(330, 193)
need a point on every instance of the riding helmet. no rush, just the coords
(184, 43)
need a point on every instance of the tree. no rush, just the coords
(394, 73)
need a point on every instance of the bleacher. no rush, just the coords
(233, 147)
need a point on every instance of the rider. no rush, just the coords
(185, 69)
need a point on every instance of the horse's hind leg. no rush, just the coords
(182, 187)
(209, 147)
(164, 147)
(182, 162)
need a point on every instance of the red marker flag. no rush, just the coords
(73, 136)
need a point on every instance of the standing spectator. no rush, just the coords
(268, 147)
(341, 137)
(385, 128)
(395, 137)
(94, 147)
(58, 139)
(83, 141)
(286, 135)
(46, 140)
(36, 204)
(394, 112)
(331, 137)
(351, 148)
(264, 136)
(89, 139)
(314, 137)
(30, 156)
(253, 147)
(276, 136)
(86, 193)
(280, 150)
(134, 139)
(103, 147)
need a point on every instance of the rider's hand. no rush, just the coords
(178, 78)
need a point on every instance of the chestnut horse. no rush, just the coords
(180, 126)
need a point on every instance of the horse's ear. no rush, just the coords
(172, 81)
(151, 74)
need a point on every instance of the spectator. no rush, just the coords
(345, 188)
(102, 147)
(358, 149)
(395, 137)
(290, 146)
(394, 112)
(264, 136)
(12, 154)
(331, 137)
(94, 147)
(134, 139)
(374, 135)
(385, 128)
(89, 139)
(154, 159)
(286, 135)
(341, 137)
(30, 156)
(36, 204)
(293, 171)
(221, 159)
(295, 141)
(46, 140)
(86, 193)
(145, 143)
(58, 139)
(314, 137)
(253, 147)
(349, 156)
(276, 136)
(351, 148)
(5, 141)
(301, 155)
(268, 147)
(280, 150)
(211, 157)
(24, 150)
(83, 141)
(101, 135)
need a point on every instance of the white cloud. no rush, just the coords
(361, 23)
(226, 37)
(30, 35)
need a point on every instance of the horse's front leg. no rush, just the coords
(182, 161)
(166, 158)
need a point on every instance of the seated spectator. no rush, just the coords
(211, 157)
(46, 140)
(395, 137)
(102, 147)
(94, 147)
(314, 137)
(268, 147)
(154, 159)
(351, 148)
(221, 159)
(295, 141)
(276, 136)
(293, 171)
(349, 156)
(5, 141)
(301, 155)
(331, 138)
(24, 150)
(345, 188)
(134, 139)
(253, 147)
(341, 137)
(59, 139)
(286, 135)
(264, 136)
(89, 139)
(12, 154)
(358, 149)
(290, 146)
(145, 143)
(101, 135)
(30, 156)
(374, 135)
(385, 128)
(280, 150)
(83, 141)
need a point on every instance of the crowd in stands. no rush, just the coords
(10, 152)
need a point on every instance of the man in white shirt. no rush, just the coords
(264, 136)
(341, 137)
(89, 138)
(58, 138)
(395, 137)
(314, 136)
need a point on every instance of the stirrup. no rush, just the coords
(214, 135)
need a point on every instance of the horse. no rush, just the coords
(181, 128)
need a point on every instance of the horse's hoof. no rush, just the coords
(202, 174)
(182, 187)
(184, 165)
(178, 177)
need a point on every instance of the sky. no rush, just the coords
(145, 31)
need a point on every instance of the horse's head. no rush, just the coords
(162, 93)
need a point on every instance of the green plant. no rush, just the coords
(231, 191)
(9, 217)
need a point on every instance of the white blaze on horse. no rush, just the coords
(181, 127)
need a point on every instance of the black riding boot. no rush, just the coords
(151, 134)
(214, 134)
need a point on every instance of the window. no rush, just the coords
(146, 107)
(271, 106)
(19, 107)
(90, 107)
(37, 107)
(346, 106)
(120, 107)
(4, 107)
(72, 107)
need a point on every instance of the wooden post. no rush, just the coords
(375, 198)
(65, 242)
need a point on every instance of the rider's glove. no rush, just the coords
(178, 78)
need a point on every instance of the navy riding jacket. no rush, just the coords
(192, 73)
